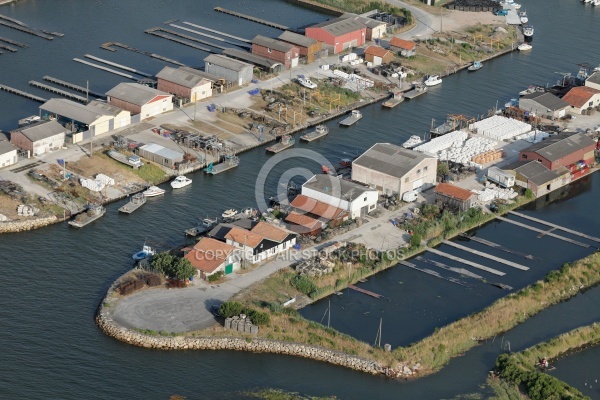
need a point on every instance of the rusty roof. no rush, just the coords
(208, 254)
(376, 51)
(580, 95)
(303, 220)
(316, 207)
(403, 44)
(453, 191)
(244, 237)
(271, 232)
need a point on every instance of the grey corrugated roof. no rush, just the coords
(204, 74)
(390, 159)
(340, 26)
(135, 93)
(183, 77)
(41, 130)
(366, 21)
(104, 108)
(559, 146)
(226, 62)
(272, 43)
(536, 172)
(251, 58)
(3, 136)
(72, 110)
(297, 39)
(162, 151)
(594, 78)
(6, 147)
(334, 186)
(547, 100)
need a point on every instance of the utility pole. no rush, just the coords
(87, 91)
(329, 316)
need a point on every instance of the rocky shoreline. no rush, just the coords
(28, 224)
(110, 328)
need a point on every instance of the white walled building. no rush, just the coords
(357, 199)
(8, 154)
(393, 169)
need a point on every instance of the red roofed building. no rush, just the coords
(404, 48)
(338, 33)
(261, 242)
(582, 98)
(454, 196)
(210, 256)
(378, 55)
(319, 210)
(303, 224)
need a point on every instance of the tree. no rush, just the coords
(162, 262)
(183, 269)
(442, 170)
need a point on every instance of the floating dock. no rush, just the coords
(352, 119)
(137, 200)
(467, 262)
(61, 92)
(26, 30)
(484, 255)
(416, 92)
(241, 39)
(72, 86)
(285, 143)
(433, 273)
(392, 102)
(109, 46)
(13, 20)
(22, 93)
(13, 42)
(222, 167)
(253, 19)
(497, 246)
(320, 131)
(554, 235)
(8, 48)
(112, 71)
(460, 271)
(120, 66)
(561, 228)
(158, 32)
(203, 34)
(367, 292)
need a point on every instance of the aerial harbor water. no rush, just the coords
(53, 278)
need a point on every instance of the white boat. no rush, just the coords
(228, 214)
(413, 141)
(146, 252)
(596, 2)
(523, 17)
(432, 80)
(248, 212)
(532, 89)
(528, 30)
(180, 181)
(524, 47)
(153, 191)
(306, 82)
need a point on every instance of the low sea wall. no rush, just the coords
(27, 224)
(254, 345)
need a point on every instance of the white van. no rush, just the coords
(409, 197)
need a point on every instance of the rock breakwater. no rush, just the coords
(27, 224)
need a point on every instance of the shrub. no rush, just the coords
(216, 276)
(260, 318)
(529, 194)
(415, 240)
(230, 309)
(303, 284)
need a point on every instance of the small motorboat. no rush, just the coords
(432, 80)
(528, 30)
(524, 47)
(523, 17)
(229, 214)
(345, 163)
(146, 252)
(248, 212)
(180, 181)
(475, 67)
(153, 191)
(306, 82)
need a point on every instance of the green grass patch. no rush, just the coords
(151, 173)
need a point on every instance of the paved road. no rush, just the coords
(427, 23)
(179, 310)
